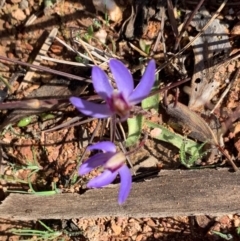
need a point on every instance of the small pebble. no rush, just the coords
(15, 1)
(116, 229)
(19, 15)
(236, 222)
(27, 11)
(101, 35)
(236, 29)
(24, 4)
(139, 237)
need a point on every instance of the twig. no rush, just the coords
(192, 41)
(162, 31)
(230, 160)
(187, 23)
(73, 50)
(95, 54)
(67, 124)
(28, 78)
(124, 150)
(32, 18)
(204, 28)
(113, 128)
(172, 18)
(42, 68)
(226, 90)
(138, 50)
(85, 150)
(173, 85)
(160, 34)
(100, 51)
(122, 130)
(232, 118)
(156, 43)
(65, 61)
(87, 50)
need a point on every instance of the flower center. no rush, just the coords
(118, 104)
(115, 162)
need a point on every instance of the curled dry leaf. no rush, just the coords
(197, 127)
(209, 49)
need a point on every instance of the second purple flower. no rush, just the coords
(118, 101)
(113, 163)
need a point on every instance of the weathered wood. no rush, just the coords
(172, 193)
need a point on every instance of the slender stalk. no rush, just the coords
(187, 23)
(42, 68)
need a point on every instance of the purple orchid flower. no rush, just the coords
(117, 101)
(113, 163)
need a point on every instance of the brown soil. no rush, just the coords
(57, 152)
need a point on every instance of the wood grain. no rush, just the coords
(171, 193)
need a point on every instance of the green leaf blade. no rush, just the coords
(134, 130)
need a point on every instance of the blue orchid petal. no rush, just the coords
(91, 109)
(103, 179)
(145, 85)
(106, 146)
(125, 185)
(122, 77)
(93, 162)
(101, 83)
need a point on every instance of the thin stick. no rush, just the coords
(95, 54)
(226, 90)
(198, 35)
(162, 31)
(100, 51)
(156, 43)
(204, 28)
(173, 85)
(67, 124)
(138, 50)
(65, 61)
(172, 19)
(187, 23)
(42, 68)
(159, 34)
(73, 50)
(113, 128)
(32, 18)
(235, 168)
(124, 150)
(87, 50)
(85, 150)
(28, 78)
(122, 130)
(141, 144)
